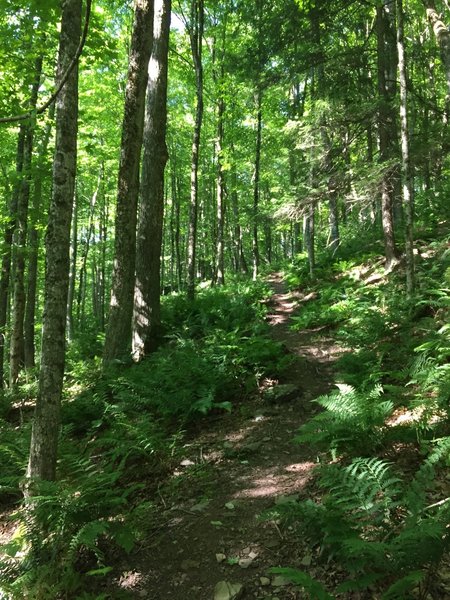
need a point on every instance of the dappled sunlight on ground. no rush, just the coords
(273, 483)
(216, 520)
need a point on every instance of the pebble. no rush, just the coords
(225, 590)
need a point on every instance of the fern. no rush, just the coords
(352, 420)
(374, 525)
(314, 589)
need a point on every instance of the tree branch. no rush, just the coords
(64, 78)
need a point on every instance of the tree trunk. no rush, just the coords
(442, 34)
(45, 432)
(103, 238)
(17, 343)
(118, 332)
(81, 296)
(175, 229)
(309, 235)
(256, 181)
(196, 35)
(387, 131)
(73, 269)
(7, 248)
(147, 303)
(407, 177)
(34, 239)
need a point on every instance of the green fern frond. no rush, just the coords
(403, 587)
(352, 420)
(314, 589)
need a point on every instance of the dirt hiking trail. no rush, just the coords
(208, 529)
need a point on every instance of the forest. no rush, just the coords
(224, 299)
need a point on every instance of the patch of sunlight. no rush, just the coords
(405, 416)
(129, 579)
(272, 485)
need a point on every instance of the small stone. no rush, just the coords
(230, 506)
(253, 555)
(246, 550)
(244, 563)
(220, 557)
(225, 590)
(264, 581)
(187, 463)
(280, 581)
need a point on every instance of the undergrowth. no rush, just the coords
(384, 528)
(122, 429)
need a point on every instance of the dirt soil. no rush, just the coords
(210, 527)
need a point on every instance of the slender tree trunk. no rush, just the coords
(17, 343)
(196, 35)
(118, 332)
(387, 129)
(179, 262)
(175, 226)
(45, 432)
(73, 269)
(34, 239)
(328, 167)
(239, 258)
(7, 248)
(104, 238)
(309, 236)
(81, 296)
(173, 195)
(407, 177)
(147, 302)
(219, 270)
(221, 194)
(256, 182)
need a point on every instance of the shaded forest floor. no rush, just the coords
(210, 526)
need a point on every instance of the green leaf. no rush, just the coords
(100, 571)
(314, 588)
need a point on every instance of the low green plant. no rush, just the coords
(375, 525)
(352, 421)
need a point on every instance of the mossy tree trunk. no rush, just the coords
(45, 432)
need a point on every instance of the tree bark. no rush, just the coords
(118, 332)
(407, 176)
(34, 239)
(442, 34)
(73, 269)
(7, 248)
(256, 182)
(196, 36)
(17, 342)
(387, 130)
(147, 302)
(45, 432)
(81, 296)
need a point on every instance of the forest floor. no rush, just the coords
(208, 527)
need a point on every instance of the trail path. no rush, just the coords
(239, 467)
